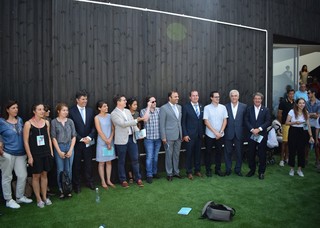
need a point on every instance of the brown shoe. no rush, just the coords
(190, 177)
(139, 183)
(198, 174)
(125, 184)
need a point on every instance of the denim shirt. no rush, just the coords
(12, 137)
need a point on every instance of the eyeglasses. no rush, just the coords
(153, 101)
(216, 97)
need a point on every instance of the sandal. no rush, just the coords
(112, 185)
(131, 180)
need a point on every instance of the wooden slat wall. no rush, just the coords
(50, 49)
(25, 52)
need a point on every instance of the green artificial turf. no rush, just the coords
(277, 201)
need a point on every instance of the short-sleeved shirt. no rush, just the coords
(299, 118)
(313, 108)
(298, 94)
(215, 115)
(285, 106)
(12, 137)
(63, 134)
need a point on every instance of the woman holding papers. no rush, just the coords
(105, 148)
(299, 135)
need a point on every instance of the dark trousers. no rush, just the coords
(228, 151)
(132, 149)
(297, 140)
(81, 151)
(259, 149)
(193, 149)
(210, 142)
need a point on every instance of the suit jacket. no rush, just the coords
(83, 130)
(192, 126)
(170, 125)
(122, 126)
(235, 126)
(263, 120)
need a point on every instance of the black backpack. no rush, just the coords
(66, 184)
(217, 212)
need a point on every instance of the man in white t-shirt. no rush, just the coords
(215, 118)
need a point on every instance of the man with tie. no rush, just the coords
(83, 118)
(257, 120)
(193, 131)
(124, 139)
(215, 118)
(171, 134)
(234, 132)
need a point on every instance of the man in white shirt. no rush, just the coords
(215, 118)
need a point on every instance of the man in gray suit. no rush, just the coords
(234, 132)
(171, 134)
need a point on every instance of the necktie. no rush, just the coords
(197, 110)
(176, 111)
(82, 115)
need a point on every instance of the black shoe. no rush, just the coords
(209, 174)
(91, 186)
(169, 178)
(261, 176)
(178, 176)
(250, 173)
(239, 174)
(219, 173)
(77, 189)
(228, 173)
(156, 176)
(149, 180)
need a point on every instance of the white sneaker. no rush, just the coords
(300, 173)
(48, 202)
(40, 204)
(291, 173)
(281, 163)
(24, 199)
(12, 204)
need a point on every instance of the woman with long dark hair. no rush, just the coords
(12, 155)
(299, 135)
(37, 142)
(105, 131)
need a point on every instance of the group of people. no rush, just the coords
(69, 139)
(299, 115)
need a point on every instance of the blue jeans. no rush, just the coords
(152, 147)
(132, 149)
(63, 164)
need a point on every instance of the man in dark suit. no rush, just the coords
(83, 118)
(193, 131)
(257, 120)
(234, 132)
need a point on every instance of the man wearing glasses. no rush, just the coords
(302, 92)
(215, 118)
(152, 142)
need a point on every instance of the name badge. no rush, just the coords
(40, 140)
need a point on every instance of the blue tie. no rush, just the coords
(82, 115)
(197, 110)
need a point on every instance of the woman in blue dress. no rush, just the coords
(105, 148)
